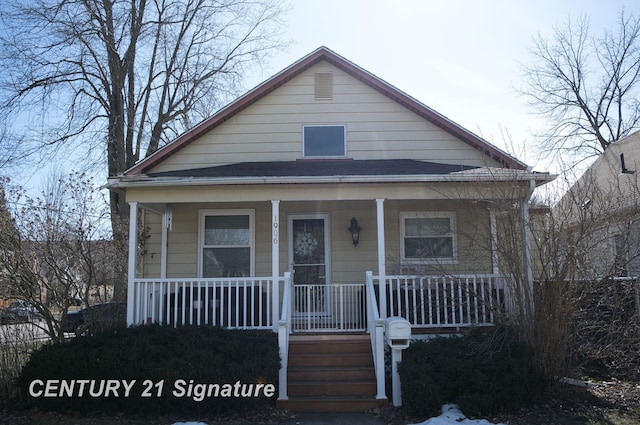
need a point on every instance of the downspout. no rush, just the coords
(527, 267)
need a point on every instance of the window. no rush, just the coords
(428, 237)
(227, 243)
(324, 141)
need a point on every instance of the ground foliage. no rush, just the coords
(156, 353)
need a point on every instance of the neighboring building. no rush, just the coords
(320, 201)
(602, 210)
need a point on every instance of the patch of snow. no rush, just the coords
(451, 415)
(189, 423)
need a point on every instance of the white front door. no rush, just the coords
(310, 264)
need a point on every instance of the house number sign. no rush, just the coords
(276, 233)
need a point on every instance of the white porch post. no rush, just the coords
(131, 274)
(526, 240)
(275, 261)
(495, 265)
(526, 254)
(382, 269)
(166, 226)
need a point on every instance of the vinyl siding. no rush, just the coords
(349, 263)
(271, 128)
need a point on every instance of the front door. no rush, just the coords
(309, 260)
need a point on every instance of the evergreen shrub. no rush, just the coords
(482, 372)
(157, 354)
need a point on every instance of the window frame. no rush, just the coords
(453, 234)
(203, 214)
(344, 138)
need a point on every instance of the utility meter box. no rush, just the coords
(398, 332)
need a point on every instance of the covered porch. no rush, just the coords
(218, 256)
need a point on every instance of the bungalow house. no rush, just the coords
(316, 205)
(605, 204)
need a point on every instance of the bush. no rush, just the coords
(157, 358)
(483, 373)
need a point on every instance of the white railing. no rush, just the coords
(336, 307)
(241, 303)
(375, 327)
(284, 329)
(446, 301)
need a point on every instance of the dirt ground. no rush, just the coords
(608, 403)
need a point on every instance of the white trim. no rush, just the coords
(453, 233)
(131, 274)
(275, 261)
(495, 260)
(344, 128)
(382, 255)
(218, 212)
(145, 181)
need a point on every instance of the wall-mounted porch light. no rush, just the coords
(355, 231)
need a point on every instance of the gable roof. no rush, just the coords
(324, 54)
(609, 186)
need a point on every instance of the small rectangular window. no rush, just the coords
(324, 141)
(428, 237)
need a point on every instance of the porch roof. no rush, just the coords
(400, 171)
(319, 168)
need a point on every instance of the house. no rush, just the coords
(316, 205)
(604, 203)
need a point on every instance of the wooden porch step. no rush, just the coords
(330, 373)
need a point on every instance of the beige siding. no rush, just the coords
(151, 257)
(271, 128)
(349, 263)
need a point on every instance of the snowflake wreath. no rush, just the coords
(305, 244)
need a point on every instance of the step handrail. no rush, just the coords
(284, 329)
(375, 326)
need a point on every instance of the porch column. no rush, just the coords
(527, 290)
(275, 262)
(495, 267)
(382, 268)
(526, 240)
(131, 273)
(166, 226)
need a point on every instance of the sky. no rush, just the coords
(462, 58)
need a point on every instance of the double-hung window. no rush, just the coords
(324, 141)
(227, 243)
(428, 237)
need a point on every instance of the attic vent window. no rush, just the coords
(324, 85)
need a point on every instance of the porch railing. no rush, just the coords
(446, 301)
(242, 303)
(336, 307)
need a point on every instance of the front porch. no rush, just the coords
(431, 304)
(435, 263)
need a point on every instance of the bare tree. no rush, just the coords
(52, 247)
(122, 77)
(587, 87)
